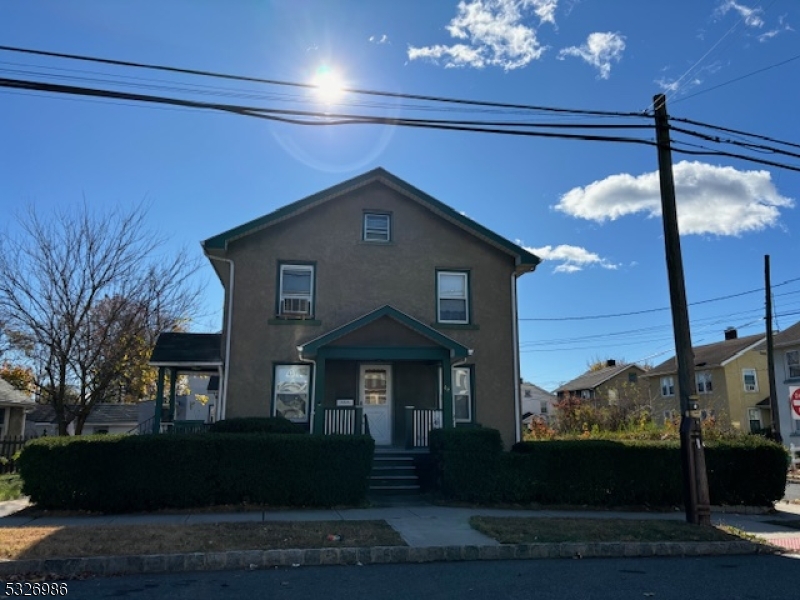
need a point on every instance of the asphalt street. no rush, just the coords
(758, 577)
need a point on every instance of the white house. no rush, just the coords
(536, 403)
(786, 346)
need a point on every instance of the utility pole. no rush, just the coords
(695, 481)
(775, 421)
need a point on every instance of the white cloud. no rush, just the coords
(782, 26)
(599, 51)
(494, 34)
(571, 258)
(750, 16)
(383, 39)
(710, 199)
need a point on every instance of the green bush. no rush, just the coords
(256, 425)
(471, 467)
(467, 462)
(134, 473)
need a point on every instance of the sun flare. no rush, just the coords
(328, 85)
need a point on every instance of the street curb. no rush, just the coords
(260, 559)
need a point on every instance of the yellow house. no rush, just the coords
(732, 383)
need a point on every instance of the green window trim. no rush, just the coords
(295, 306)
(376, 227)
(463, 380)
(292, 388)
(466, 298)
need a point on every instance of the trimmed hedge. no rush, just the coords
(137, 473)
(471, 467)
(256, 425)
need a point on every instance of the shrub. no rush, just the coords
(256, 425)
(471, 467)
(134, 473)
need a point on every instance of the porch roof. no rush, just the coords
(456, 349)
(195, 351)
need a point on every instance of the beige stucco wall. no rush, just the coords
(354, 278)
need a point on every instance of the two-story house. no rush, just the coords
(608, 384)
(786, 345)
(537, 403)
(370, 306)
(732, 383)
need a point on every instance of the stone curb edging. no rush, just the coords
(259, 559)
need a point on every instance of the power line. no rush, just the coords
(278, 82)
(653, 310)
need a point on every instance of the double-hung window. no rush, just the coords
(750, 380)
(377, 227)
(296, 296)
(452, 297)
(703, 379)
(793, 363)
(667, 386)
(462, 394)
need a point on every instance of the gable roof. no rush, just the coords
(524, 260)
(175, 349)
(787, 337)
(100, 413)
(592, 379)
(10, 396)
(713, 355)
(311, 347)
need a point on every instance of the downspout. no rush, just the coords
(515, 337)
(312, 392)
(223, 401)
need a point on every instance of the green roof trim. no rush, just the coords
(522, 256)
(456, 349)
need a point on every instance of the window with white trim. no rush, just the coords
(296, 291)
(462, 394)
(543, 407)
(793, 363)
(452, 290)
(291, 392)
(377, 227)
(667, 386)
(750, 380)
(703, 379)
(754, 417)
(586, 394)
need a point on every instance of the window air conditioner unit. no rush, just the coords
(295, 306)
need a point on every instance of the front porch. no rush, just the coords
(386, 375)
(416, 425)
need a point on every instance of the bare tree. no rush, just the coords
(81, 292)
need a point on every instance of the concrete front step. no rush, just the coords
(394, 473)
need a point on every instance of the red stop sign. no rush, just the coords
(795, 402)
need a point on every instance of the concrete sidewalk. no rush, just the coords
(430, 532)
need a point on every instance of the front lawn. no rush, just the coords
(10, 487)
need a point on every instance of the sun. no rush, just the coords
(328, 85)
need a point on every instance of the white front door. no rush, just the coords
(375, 385)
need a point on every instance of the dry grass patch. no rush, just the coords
(527, 530)
(120, 540)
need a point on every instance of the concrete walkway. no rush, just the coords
(431, 533)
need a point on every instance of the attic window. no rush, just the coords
(377, 227)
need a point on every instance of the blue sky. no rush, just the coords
(590, 209)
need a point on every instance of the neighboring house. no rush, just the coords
(536, 403)
(609, 385)
(731, 379)
(786, 346)
(13, 405)
(370, 302)
(103, 418)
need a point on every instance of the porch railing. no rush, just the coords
(419, 422)
(343, 420)
(9, 446)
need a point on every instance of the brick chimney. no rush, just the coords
(731, 333)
